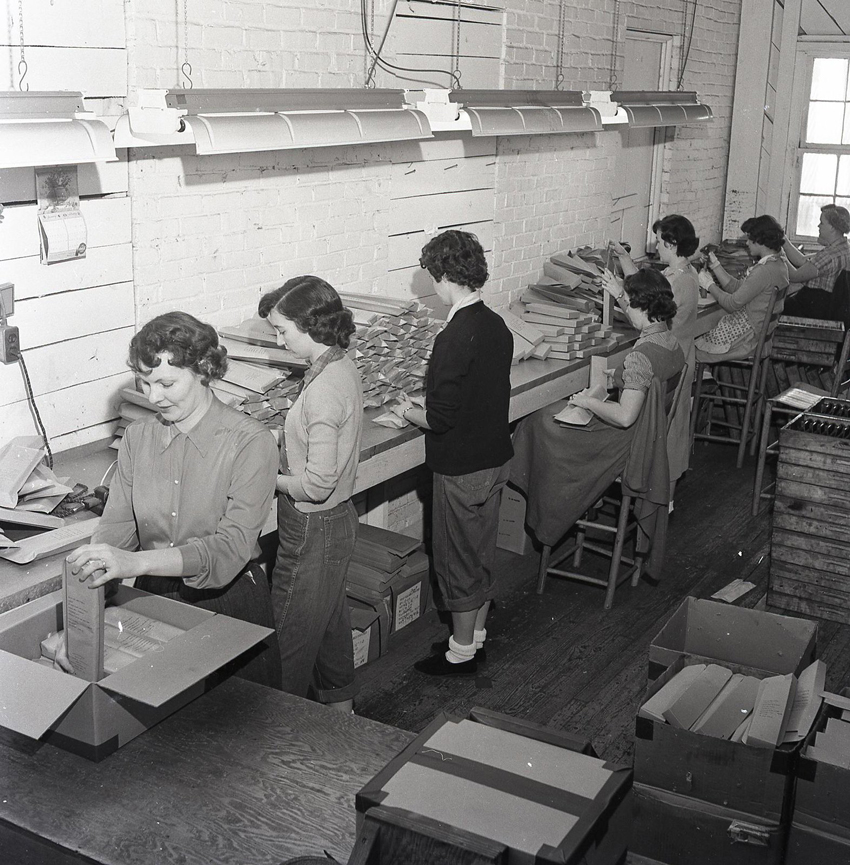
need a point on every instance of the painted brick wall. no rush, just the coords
(211, 234)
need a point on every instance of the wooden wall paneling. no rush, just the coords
(99, 24)
(71, 409)
(92, 71)
(70, 314)
(445, 175)
(436, 36)
(68, 363)
(107, 224)
(17, 185)
(816, 21)
(404, 249)
(451, 208)
(425, 9)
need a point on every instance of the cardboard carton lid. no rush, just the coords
(33, 697)
(185, 660)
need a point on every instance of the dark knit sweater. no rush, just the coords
(468, 394)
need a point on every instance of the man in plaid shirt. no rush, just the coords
(819, 271)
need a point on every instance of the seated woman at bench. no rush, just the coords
(564, 470)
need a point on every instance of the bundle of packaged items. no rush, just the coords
(31, 499)
(732, 254)
(388, 575)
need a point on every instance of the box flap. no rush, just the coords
(185, 660)
(33, 697)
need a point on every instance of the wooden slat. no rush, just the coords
(447, 11)
(404, 249)
(803, 558)
(441, 176)
(83, 436)
(813, 471)
(832, 498)
(813, 544)
(806, 441)
(409, 34)
(91, 71)
(105, 265)
(63, 364)
(838, 529)
(807, 607)
(93, 178)
(67, 315)
(107, 224)
(100, 24)
(452, 208)
(73, 408)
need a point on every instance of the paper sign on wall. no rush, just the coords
(62, 229)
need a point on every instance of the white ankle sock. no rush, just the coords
(479, 637)
(458, 653)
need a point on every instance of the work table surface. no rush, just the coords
(243, 775)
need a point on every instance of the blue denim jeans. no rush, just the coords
(465, 522)
(310, 605)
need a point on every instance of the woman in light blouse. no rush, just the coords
(192, 491)
(317, 523)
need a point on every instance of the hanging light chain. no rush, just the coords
(559, 62)
(456, 73)
(186, 68)
(615, 35)
(22, 63)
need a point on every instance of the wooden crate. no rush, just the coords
(810, 539)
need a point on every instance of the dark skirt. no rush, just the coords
(247, 598)
(564, 470)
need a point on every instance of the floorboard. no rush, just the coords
(560, 659)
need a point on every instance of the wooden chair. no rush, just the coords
(623, 527)
(776, 406)
(734, 396)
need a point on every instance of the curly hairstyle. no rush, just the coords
(191, 343)
(764, 230)
(314, 306)
(837, 216)
(649, 290)
(678, 231)
(458, 256)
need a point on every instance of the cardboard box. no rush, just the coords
(809, 846)
(380, 607)
(96, 718)
(407, 595)
(756, 643)
(512, 535)
(365, 635)
(678, 830)
(720, 772)
(535, 791)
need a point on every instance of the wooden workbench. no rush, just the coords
(242, 776)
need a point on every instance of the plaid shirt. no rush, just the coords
(830, 261)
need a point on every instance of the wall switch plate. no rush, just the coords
(10, 344)
(7, 293)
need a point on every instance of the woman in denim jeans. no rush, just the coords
(317, 523)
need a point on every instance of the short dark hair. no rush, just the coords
(837, 216)
(764, 230)
(679, 231)
(314, 306)
(649, 290)
(458, 256)
(191, 343)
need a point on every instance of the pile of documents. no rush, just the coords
(712, 700)
(29, 492)
(392, 345)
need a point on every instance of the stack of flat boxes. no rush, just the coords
(804, 349)
(701, 800)
(810, 540)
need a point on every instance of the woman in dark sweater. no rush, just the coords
(467, 443)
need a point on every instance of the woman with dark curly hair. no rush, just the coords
(192, 491)
(744, 300)
(563, 470)
(317, 523)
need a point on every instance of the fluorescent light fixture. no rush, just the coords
(609, 111)
(244, 121)
(526, 112)
(50, 128)
(661, 108)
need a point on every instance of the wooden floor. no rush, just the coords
(560, 659)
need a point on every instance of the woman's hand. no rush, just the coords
(713, 261)
(61, 660)
(100, 563)
(705, 280)
(584, 399)
(612, 284)
(404, 404)
(619, 249)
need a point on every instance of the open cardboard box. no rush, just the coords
(757, 643)
(95, 719)
(723, 773)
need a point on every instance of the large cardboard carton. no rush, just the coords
(533, 790)
(365, 635)
(751, 780)
(406, 594)
(96, 718)
(757, 643)
(380, 607)
(678, 830)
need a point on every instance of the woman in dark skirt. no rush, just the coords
(563, 470)
(192, 491)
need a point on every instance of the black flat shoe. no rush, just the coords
(437, 665)
(443, 646)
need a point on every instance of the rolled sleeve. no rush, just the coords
(117, 526)
(214, 560)
(324, 416)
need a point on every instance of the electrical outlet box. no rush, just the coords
(10, 344)
(7, 296)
